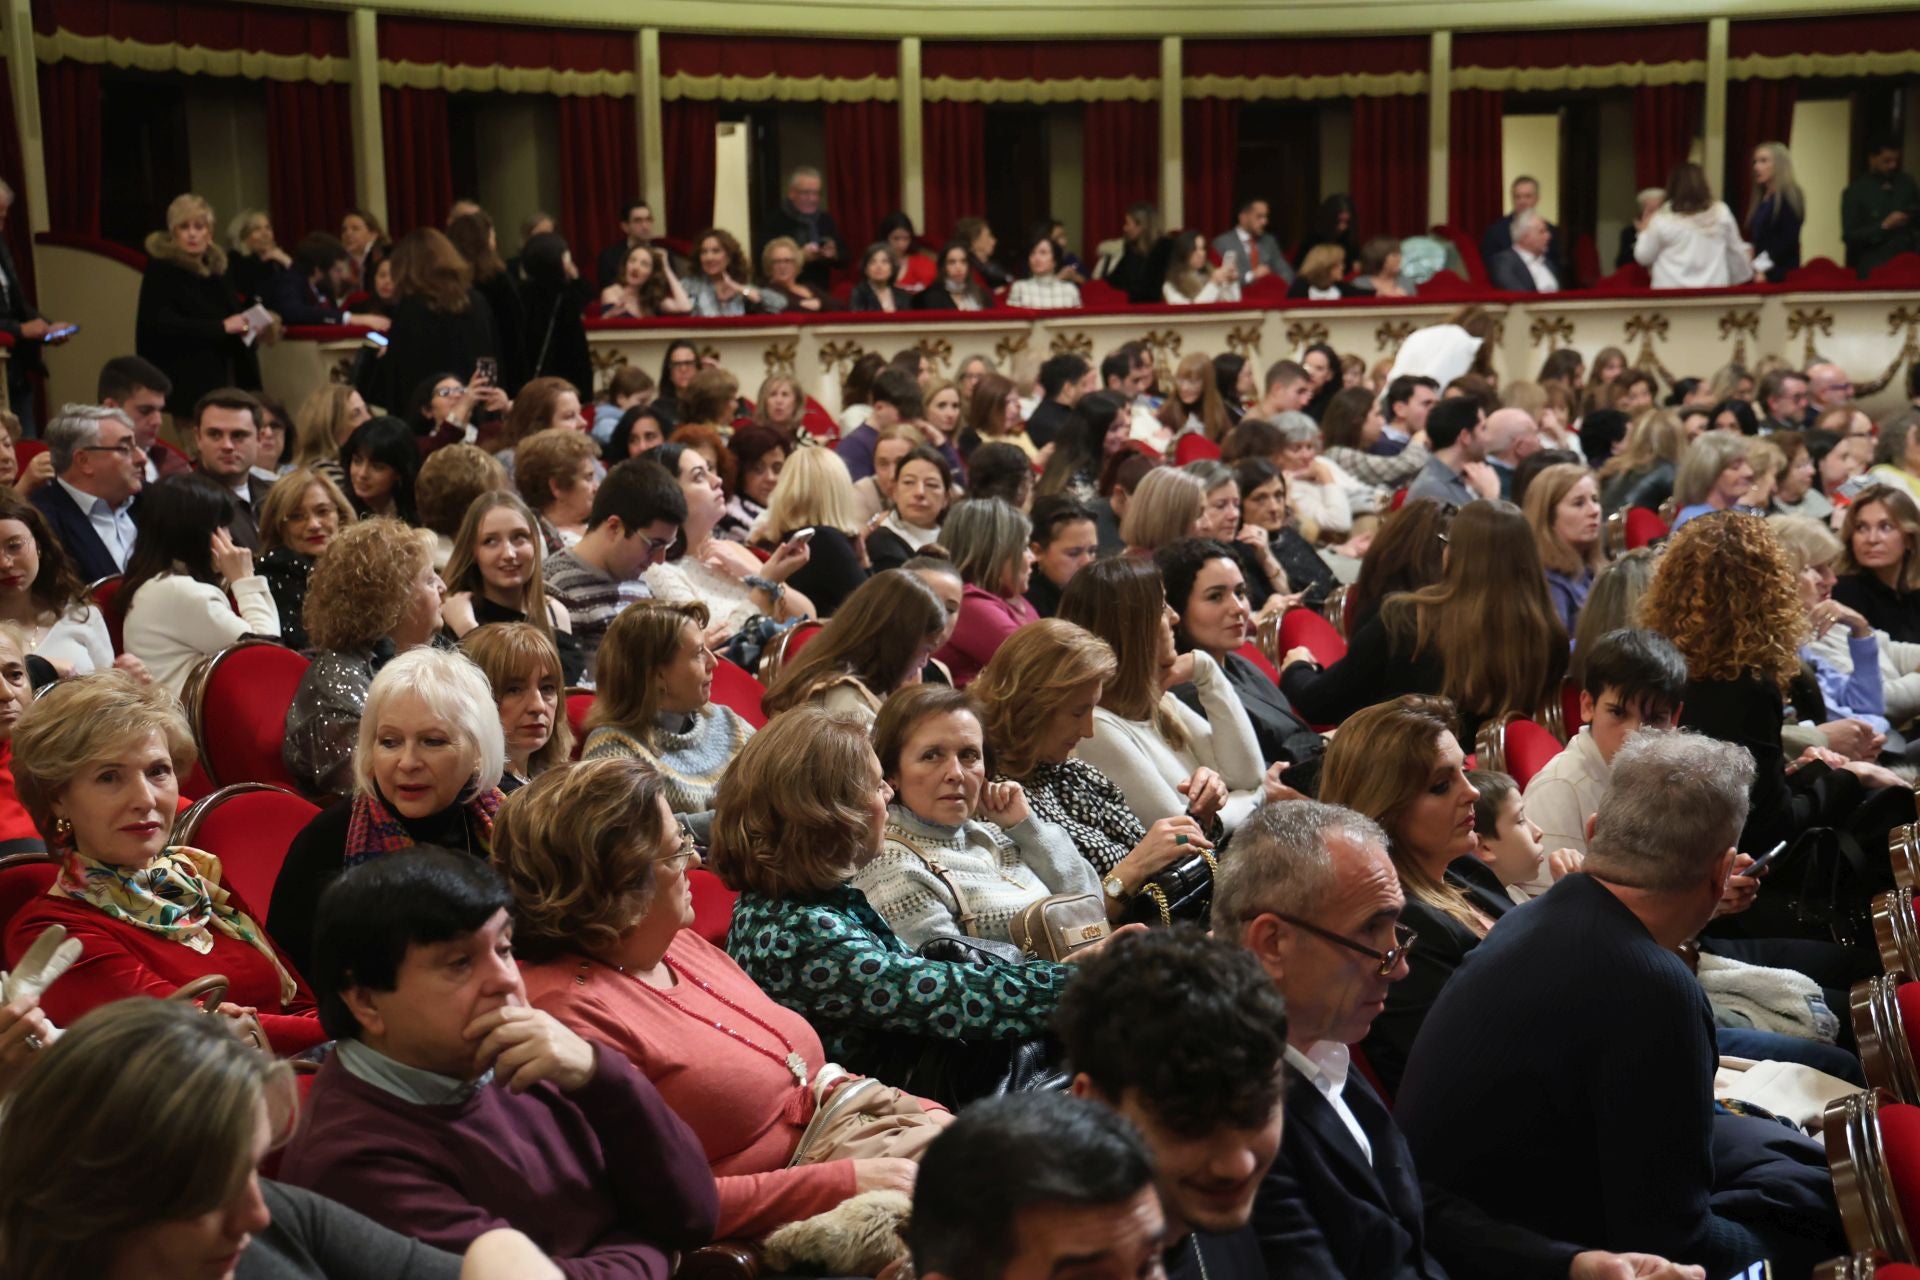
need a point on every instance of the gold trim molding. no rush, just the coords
(189, 59)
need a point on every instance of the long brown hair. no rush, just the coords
(463, 567)
(1378, 765)
(1406, 555)
(872, 637)
(472, 235)
(426, 265)
(1212, 410)
(643, 638)
(1549, 489)
(1489, 617)
(986, 408)
(1122, 602)
(1030, 677)
(57, 588)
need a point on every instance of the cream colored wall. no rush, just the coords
(99, 295)
(1066, 159)
(1336, 148)
(519, 149)
(1821, 131)
(227, 145)
(1615, 187)
(1531, 145)
(731, 207)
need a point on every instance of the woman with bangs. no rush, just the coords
(530, 687)
(299, 520)
(495, 574)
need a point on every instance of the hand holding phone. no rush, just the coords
(1761, 863)
(486, 369)
(800, 537)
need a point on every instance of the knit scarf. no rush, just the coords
(178, 896)
(374, 831)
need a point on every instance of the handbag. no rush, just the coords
(1828, 892)
(859, 1118)
(1052, 928)
(208, 991)
(1182, 890)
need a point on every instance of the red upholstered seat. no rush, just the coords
(1251, 652)
(1528, 748)
(25, 451)
(23, 877)
(579, 702)
(1907, 996)
(238, 709)
(782, 648)
(1900, 1144)
(1305, 627)
(1644, 527)
(735, 688)
(1570, 707)
(1896, 1271)
(1399, 498)
(1193, 447)
(249, 827)
(712, 905)
(102, 593)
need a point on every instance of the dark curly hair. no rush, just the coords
(1714, 560)
(1191, 1023)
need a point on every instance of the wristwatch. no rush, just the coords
(1116, 888)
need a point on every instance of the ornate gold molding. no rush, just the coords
(1648, 328)
(1244, 341)
(1071, 344)
(1552, 79)
(1808, 320)
(1007, 348)
(1909, 319)
(1744, 323)
(1165, 346)
(938, 352)
(835, 357)
(1555, 331)
(604, 363)
(1390, 334)
(779, 357)
(1304, 333)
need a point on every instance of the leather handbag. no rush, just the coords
(208, 991)
(1052, 928)
(1182, 890)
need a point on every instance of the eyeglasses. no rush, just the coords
(449, 393)
(687, 854)
(683, 364)
(126, 448)
(1403, 939)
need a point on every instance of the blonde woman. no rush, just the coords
(1563, 509)
(1714, 475)
(254, 257)
(1166, 506)
(301, 516)
(1775, 212)
(495, 575)
(187, 323)
(520, 662)
(815, 492)
(1642, 473)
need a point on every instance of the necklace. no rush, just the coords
(793, 1062)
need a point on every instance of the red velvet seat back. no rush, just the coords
(21, 882)
(1305, 627)
(1193, 447)
(735, 688)
(102, 593)
(1907, 996)
(242, 720)
(249, 827)
(1900, 1142)
(1644, 527)
(1251, 652)
(579, 703)
(1528, 748)
(712, 905)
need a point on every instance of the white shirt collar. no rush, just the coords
(1529, 257)
(1325, 1063)
(1246, 237)
(90, 503)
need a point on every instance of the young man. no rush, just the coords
(1256, 254)
(635, 517)
(1409, 399)
(451, 1107)
(226, 435)
(896, 399)
(1036, 1185)
(1063, 380)
(139, 390)
(1185, 1036)
(1289, 388)
(1878, 210)
(1458, 471)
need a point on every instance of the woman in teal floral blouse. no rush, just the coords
(802, 806)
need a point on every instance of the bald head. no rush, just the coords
(1512, 435)
(1828, 385)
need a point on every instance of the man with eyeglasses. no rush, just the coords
(98, 471)
(1311, 893)
(636, 515)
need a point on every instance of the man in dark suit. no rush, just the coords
(20, 318)
(636, 225)
(139, 390)
(1498, 237)
(309, 294)
(89, 502)
(1311, 893)
(812, 228)
(226, 434)
(1528, 266)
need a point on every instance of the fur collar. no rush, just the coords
(160, 245)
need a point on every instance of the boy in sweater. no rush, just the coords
(451, 1107)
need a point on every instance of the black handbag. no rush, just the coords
(956, 1072)
(1182, 890)
(1821, 888)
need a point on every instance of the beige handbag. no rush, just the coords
(1051, 929)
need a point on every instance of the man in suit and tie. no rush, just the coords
(226, 433)
(1528, 266)
(97, 472)
(1254, 252)
(23, 321)
(1311, 893)
(1498, 237)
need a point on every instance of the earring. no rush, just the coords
(62, 829)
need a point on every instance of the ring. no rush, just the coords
(34, 1043)
(1180, 839)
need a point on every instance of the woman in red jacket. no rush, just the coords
(98, 763)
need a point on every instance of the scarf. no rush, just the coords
(374, 831)
(177, 896)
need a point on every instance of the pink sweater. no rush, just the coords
(735, 1100)
(986, 620)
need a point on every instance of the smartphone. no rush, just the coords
(800, 537)
(486, 370)
(1761, 863)
(1761, 1270)
(64, 331)
(376, 339)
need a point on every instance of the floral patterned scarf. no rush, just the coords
(178, 896)
(374, 830)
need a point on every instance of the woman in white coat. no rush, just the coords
(1693, 242)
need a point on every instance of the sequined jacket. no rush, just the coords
(323, 724)
(832, 958)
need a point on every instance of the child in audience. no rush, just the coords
(1508, 841)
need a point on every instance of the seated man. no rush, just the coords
(1184, 1035)
(97, 470)
(1311, 893)
(636, 515)
(309, 294)
(1036, 1184)
(139, 390)
(1577, 1009)
(451, 1107)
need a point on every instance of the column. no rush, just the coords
(1173, 187)
(651, 134)
(363, 87)
(913, 177)
(1439, 124)
(1714, 151)
(25, 66)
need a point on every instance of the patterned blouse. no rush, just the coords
(832, 958)
(1083, 801)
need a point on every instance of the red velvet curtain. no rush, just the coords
(863, 167)
(599, 169)
(70, 132)
(687, 130)
(419, 170)
(13, 168)
(1474, 197)
(1210, 141)
(309, 157)
(1757, 111)
(1666, 119)
(1389, 165)
(956, 165)
(1120, 166)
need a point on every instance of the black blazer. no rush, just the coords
(1324, 1212)
(425, 342)
(179, 326)
(935, 297)
(91, 560)
(832, 571)
(25, 356)
(1774, 230)
(296, 301)
(1506, 271)
(1378, 666)
(1895, 612)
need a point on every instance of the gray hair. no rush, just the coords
(1212, 472)
(1524, 221)
(805, 171)
(77, 427)
(1282, 861)
(1675, 802)
(1297, 428)
(986, 536)
(1702, 464)
(1651, 196)
(456, 691)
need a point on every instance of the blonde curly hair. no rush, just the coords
(1725, 594)
(360, 589)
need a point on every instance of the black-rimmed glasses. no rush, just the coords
(1403, 940)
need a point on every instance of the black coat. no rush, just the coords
(180, 327)
(424, 343)
(502, 293)
(16, 311)
(556, 334)
(1277, 727)
(1774, 229)
(1379, 665)
(1895, 612)
(832, 571)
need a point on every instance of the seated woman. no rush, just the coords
(815, 492)
(1319, 275)
(875, 291)
(1642, 473)
(1095, 430)
(155, 1105)
(496, 575)
(1409, 552)
(173, 599)
(18, 834)
(1840, 634)
(1209, 597)
(989, 543)
(544, 404)
(381, 459)
(1563, 510)
(374, 596)
(1326, 497)
(1266, 516)
(1714, 475)
(557, 472)
(963, 856)
(1195, 407)
(891, 444)
(956, 289)
(1436, 639)
(1043, 290)
(1794, 491)
(299, 520)
(802, 808)
(1167, 758)
(325, 421)
(759, 455)
(597, 866)
(41, 593)
(1167, 505)
(917, 502)
(880, 640)
(1351, 426)
(1192, 277)
(450, 479)
(993, 413)
(1065, 541)
(729, 581)
(1880, 561)
(638, 430)
(722, 285)
(426, 770)
(645, 286)
(520, 662)
(1264, 579)
(654, 700)
(98, 762)
(917, 267)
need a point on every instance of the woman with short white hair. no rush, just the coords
(426, 771)
(187, 323)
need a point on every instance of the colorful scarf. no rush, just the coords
(178, 896)
(374, 831)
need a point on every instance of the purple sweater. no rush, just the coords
(606, 1180)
